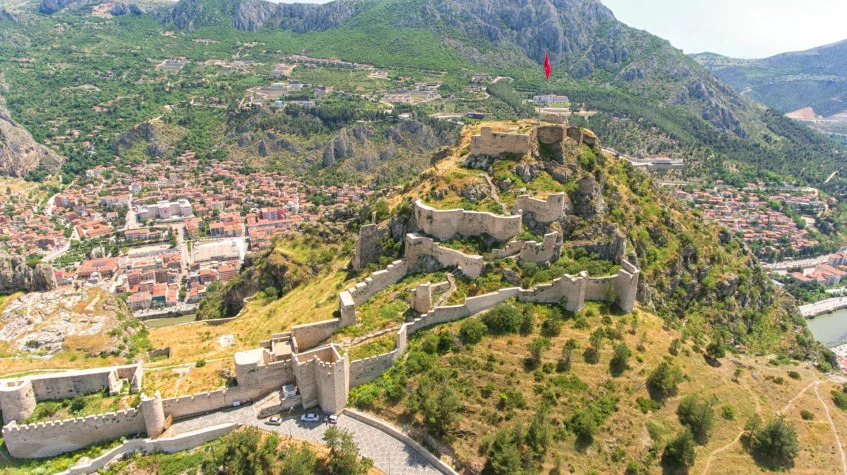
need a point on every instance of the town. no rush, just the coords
(160, 234)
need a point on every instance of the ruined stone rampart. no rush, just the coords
(547, 251)
(419, 246)
(545, 211)
(368, 249)
(47, 439)
(570, 287)
(378, 281)
(446, 224)
(499, 143)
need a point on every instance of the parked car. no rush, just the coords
(274, 421)
(310, 418)
(333, 419)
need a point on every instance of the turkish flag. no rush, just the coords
(547, 68)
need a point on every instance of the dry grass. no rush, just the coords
(755, 392)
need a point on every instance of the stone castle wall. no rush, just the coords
(548, 250)
(418, 246)
(47, 439)
(367, 247)
(498, 143)
(18, 397)
(446, 224)
(311, 334)
(378, 281)
(545, 211)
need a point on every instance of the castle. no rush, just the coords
(323, 372)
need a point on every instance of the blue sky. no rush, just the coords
(738, 28)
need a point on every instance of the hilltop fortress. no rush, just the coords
(323, 372)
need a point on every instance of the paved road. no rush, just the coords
(389, 454)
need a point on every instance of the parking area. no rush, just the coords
(388, 453)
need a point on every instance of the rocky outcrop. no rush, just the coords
(48, 7)
(146, 131)
(16, 275)
(588, 199)
(8, 16)
(121, 8)
(20, 154)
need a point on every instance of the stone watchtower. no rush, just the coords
(154, 414)
(367, 249)
(17, 400)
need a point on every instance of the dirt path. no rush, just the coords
(494, 195)
(446, 295)
(834, 430)
(782, 411)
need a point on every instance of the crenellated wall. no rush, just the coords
(498, 143)
(446, 224)
(378, 281)
(418, 246)
(47, 439)
(545, 211)
(18, 397)
(323, 378)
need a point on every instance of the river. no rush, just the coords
(830, 329)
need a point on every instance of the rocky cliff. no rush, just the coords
(20, 154)
(16, 275)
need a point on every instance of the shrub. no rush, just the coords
(620, 359)
(794, 375)
(840, 399)
(551, 327)
(728, 413)
(77, 404)
(646, 404)
(680, 452)
(675, 347)
(663, 381)
(527, 322)
(537, 348)
(200, 363)
(807, 415)
(696, 413)
(715, 350)
(502, 319)
(472, 331)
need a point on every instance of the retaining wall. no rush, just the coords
(177, 443)
(47, 439)
(445, 224)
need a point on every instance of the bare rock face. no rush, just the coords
(20, 153)
(588, 198)
(52, 6)
(16, 275)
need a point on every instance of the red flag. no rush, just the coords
(547, 68)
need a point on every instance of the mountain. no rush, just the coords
(20, 154)
(652, 99)
(815, 78)
(698, 285)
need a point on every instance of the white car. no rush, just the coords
(333, 419)
(310, 418)
(274, 421)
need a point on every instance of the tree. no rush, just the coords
(696, 413)
(537, 348)
(679, 452)
(774, 443)
(344, 453)
(596, 339)
(441, 406)
(527, 322)
(502, 319)
(298, 460)
(567, 352)
(504, 452)
(472, 331)
(663, 380)
(584, 424)
(715, 350)
(242, 452)
(620, 359)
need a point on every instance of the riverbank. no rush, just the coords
(824, 306)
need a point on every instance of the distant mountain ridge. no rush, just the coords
(815, 78)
